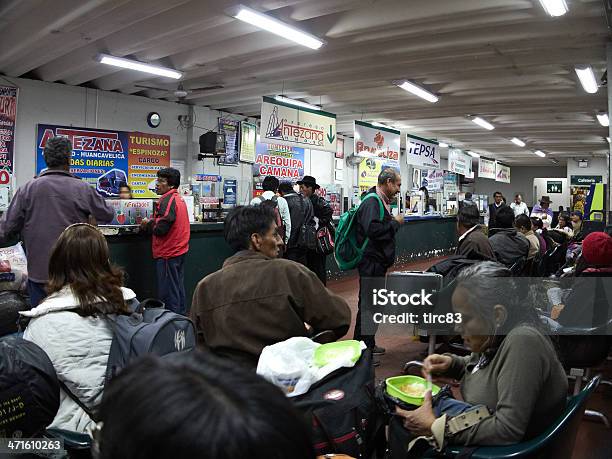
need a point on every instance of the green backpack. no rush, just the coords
(347, 252)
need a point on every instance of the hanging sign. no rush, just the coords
(231, 129)
(502, 173)
(248, 139)
(285, 124)
(450, 184)
(422, 153)
(585, 180)
(230, 187)
(554, 187)
(459, 162)
(486, 168)
(433, 179)
(8, 117)
(369, 169)
(147, 153)
(377, 142)
(283, 162)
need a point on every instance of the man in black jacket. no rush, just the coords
(379, 254)
(300, 210)
(492, 209)
(323, 214)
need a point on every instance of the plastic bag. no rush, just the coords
(16, 257)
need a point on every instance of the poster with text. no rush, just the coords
(148, 153)
(433, 180)
(231, 129)
(377, 142)
(451, 185)
(283, 162)
(8, 116)
(248, 139)
(486, 168)
(459, 162)
(422, 153)
(502, 173)
(369, 169)
(230, 192)
(333, 195)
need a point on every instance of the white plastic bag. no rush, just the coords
(16, 256)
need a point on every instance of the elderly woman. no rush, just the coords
(513, 376)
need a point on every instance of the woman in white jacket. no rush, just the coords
(70, 323)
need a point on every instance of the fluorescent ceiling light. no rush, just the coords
(377, 124)
(417, 91)
(473, 154)
(443, 144)
(587, 78)
(482, 123)
(608, 139)
(554, 161)
(139, 66)
(554, 8)
(603, 119)
(297, 103)
(540, 153)
(277, 27)
(518, 142)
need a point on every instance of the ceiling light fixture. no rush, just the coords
(587, 78)
(473, 154)
(554, 8)
(380, 125)
(443, 144)
(297, 103)
(608, 139)
(417, 90)
(517, 142)
(603, 119)
(139, 66)
(277, 27)
(554, 161)
(482, 123)
(540, 153)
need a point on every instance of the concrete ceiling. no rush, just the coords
(504, 60)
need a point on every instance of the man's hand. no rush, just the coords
(143, 224)
(399, 218)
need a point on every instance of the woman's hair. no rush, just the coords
(243, 221)
(537, 222)
(80, 259)
(566, 218)
(195, 406)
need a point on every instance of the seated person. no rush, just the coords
(509, 246)
(523, 225)
(513, 374)
(538, 228)
(565, 225)
(257, 299)
(197, 406)
(577, 226)
(473, 243)
(69, 325)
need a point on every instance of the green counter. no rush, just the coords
(417, 239)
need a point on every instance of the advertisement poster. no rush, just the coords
(283, 162)
(231, 130)
(422, 153)
(486, 168)
(285, 124)
(230, 191)
(433, 180)
(148, 153)
(377, 142)
(248, 139)
(502, 173)
(131, 211)
(369, 170)
(451, 187)
(333, 195)
(340, 149)
(8, 115)
(459, 162)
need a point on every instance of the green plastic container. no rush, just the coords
(395, 383)
(329, 352)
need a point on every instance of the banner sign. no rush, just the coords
(585, 180)
(369, 169)
(207, 178)
(130, 211)
(502, 173)
(148, 153)
(333, 195)
(8, 117)
(554, 187)
(377, 142)
(459, 162)
(230, 192)
(486, 168)
(248, 139)
(283, 162)
(285, 124)
(433, 180)
(231, 130)
(450, 184)
(422, 153)
(340, 149)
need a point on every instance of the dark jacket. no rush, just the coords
(509, 246)
(476, 246)
(493, 214)
(589, 304)
(300, 211)
(381, 247)
(321, 209)
(43, 208)
(170, 226)
(269, 301)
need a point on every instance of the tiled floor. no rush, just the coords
(593, 441)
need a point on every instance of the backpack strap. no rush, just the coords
(382, 206)
(76, 400)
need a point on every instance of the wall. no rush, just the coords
(597, 166)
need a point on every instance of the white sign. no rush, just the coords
(502, 173)
(422, 153)
(377, 142)
(433, 180)
(459, 162)
(284, 124)
(486, 168)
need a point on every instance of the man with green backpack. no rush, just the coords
(365, 239)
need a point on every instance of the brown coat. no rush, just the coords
(255, 301)
(476, 245)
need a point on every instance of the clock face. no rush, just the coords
(153, 119)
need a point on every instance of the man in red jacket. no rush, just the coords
(170, 229)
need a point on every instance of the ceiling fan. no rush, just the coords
(180, 92)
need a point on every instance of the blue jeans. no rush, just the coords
(170, 283)
(37, 292)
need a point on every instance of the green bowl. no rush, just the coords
(395, 383)
(329, 352)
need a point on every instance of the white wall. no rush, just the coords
(597, 166)
(557, 199)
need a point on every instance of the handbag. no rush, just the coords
(325, 241)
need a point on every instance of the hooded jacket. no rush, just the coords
(509, 246)
(255, 301)
(78, 348)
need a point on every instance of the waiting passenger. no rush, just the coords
(492, 209)
(565, 225)
(257, 300)
(538, 228)
(270, 186)
(513, 372)
(509, 246)
(577, 225)
(543, 211)
(302, 216)
(473, 243)
(70, 325)
(197, 406)
(523, 224)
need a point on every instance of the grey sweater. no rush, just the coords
(524, 386)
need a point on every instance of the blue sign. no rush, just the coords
(230, 191)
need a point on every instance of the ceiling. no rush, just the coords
(504, 60)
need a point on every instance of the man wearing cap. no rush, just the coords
(323, 217)
(543, 211)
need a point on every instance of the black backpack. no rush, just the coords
(10, 304)
(343, 413)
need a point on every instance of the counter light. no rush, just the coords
(139, 66)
